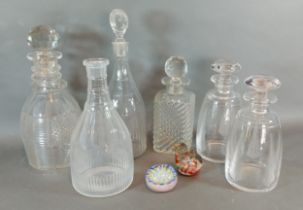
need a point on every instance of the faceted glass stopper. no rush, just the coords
(119, 22)
(43, 37)
(223, 66)
(263, 83)
(176, 67)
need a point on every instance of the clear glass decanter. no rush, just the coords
(174, 108)
(102, 162)
(217, 112)
(254, 148)
(49, 112)
(124, 92)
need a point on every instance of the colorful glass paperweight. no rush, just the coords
(254, 148)
(174, 108)
(124, 92)
(187, 161)
(217, 112)
(49, 113)
(102, 162)
(161, 177)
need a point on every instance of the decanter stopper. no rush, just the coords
(176, 68)
(261, 85)
(119, 22)
(42, 38)
(225, 67)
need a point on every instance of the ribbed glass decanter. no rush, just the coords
(254, 148)
(174, 108)
(217, 112)
(49, 112)
(102, 162)
(124, 92)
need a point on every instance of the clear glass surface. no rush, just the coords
(124, 92)
(254, 149)
(173, 109)
(49, 112)
(217, 112)
(102, 161)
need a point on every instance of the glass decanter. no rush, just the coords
(124, 92)
(102, 162)
(49, 112)
(217, 112)
(254, 148)
(173, 109)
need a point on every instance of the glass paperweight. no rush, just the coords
(161, 177)
(49, 112)
(217, 112)
(124, 92)
(102, 162)
(173, 109)
(254, 148)
(187, 161)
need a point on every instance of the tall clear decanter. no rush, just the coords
(174, 108)
(124, 92)
(49, 112)
(217, 112)
(102, 162)
(254, 148)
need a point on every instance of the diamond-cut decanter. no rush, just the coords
(173, 109)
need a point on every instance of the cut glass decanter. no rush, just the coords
(49, 112)
(173, 109)
(102, 162)
(254, 146)
(217, 112)
(124, 92)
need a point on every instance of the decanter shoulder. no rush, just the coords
(270, 118)
(52, 102)
(185, 97)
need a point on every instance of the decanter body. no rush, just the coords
(173, 109)
(49, 112)
(254, 149)
(218, 110)
(124, 93)
(102, 161)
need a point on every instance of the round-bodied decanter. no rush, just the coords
(217, 112)
(254, 148)
(49, 112)
(174, 109)
(124, 92)
(102, 162)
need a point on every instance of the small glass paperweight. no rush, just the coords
(174, 109)
(217, 112)
(254, 147)
(49, 112)
(102, 162)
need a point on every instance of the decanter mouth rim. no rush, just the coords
(95, 62)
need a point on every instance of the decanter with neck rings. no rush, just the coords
(49, 112)
(124, 92)
(254, 146)
(174, 109)
(217, 112)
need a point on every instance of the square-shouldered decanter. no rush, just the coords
(173, 108)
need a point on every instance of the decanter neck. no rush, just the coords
(121, 71)
(224, 83)
(174, 87)
(97, 89)
(260, 102)
(45, 69)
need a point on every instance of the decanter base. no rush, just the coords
(251, 181)
(214, 152)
